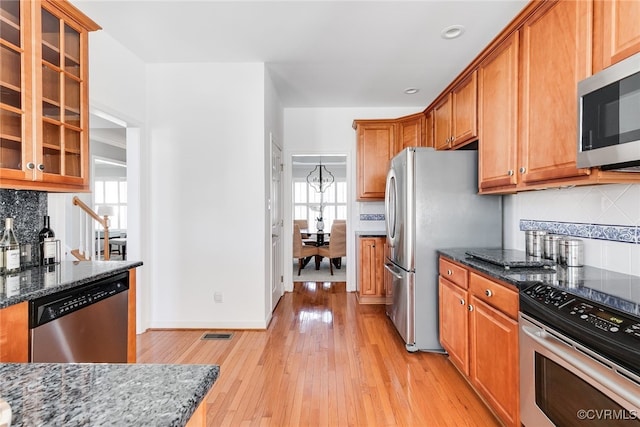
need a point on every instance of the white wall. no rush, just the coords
(330, 131)
(116, 86)
(274, 122)
(207, 202)
(617, 204)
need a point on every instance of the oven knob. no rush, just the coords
(614, 329)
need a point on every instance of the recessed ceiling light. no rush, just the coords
(411, 90)
(452, 32)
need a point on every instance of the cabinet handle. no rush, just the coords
(470, 307)
(523, 170)
(31, 166)
(41, 167)
(461, 301)
(488, 293)
(510, 172)
(449, 272)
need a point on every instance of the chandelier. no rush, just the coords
(320, 178)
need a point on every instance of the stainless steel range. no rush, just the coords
(579, 360)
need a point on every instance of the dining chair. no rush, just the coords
(304, 225)
(300, 250)
(337, 247)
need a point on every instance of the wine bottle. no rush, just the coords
(47, 243)
(10, 248)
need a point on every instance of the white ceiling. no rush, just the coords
(324, 53)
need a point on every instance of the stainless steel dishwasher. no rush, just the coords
(84, 324)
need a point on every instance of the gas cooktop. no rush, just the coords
(509, 258)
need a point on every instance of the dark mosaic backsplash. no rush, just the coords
(27, 208)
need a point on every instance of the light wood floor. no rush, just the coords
(325, 360)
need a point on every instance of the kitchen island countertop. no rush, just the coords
(85, 394)
(41, 281)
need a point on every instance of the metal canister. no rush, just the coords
(571, 252)
(534, 242)
(551, 246)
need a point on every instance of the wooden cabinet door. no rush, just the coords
(498, 116)
(494, 359)
(556, 46)
(428, 129)
(442, 124)
(367, 266)
(454, 323)
(14, 333)
(620, 29)
(15, 84)
(371, 266)
(464, 117)
(410, 132)
(63, 111)
(374, 150)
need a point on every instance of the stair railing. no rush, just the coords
(86, 233)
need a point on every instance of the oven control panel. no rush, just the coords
(583, 311)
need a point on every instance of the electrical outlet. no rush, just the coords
(217, 296)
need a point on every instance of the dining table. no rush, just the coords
(317, 238)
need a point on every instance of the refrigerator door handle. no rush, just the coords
(392, 270)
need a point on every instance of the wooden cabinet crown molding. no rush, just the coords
(70, 12)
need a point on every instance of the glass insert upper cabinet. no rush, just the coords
(15, 90)
(55, 156)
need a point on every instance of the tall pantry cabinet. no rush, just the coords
(44, 141)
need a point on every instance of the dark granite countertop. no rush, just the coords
(40, 281)
(85, 394)
(612, 289)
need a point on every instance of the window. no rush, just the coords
(307, 202)
(113, 192)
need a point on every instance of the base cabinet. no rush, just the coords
(479, 331)
(14, 333)
(454, 323)
(371, 289)
(494, 359)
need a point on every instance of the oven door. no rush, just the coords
(562, 384)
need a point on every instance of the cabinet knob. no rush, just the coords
(523, 170)
(31, 166)
(461, 301)
(470, 307)
(488, 293)
(449, 272)
(40, 167)
(510, 172)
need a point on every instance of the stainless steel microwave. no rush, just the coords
(609, 117)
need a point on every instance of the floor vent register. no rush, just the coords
(217, 336)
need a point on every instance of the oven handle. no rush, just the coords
(582, 362)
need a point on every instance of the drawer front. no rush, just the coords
(454, 273)
(494, 294)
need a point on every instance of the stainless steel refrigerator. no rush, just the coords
(431, 202)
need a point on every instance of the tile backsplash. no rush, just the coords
(27, 208)
(606, 217)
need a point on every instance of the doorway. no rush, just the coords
(319, 198)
